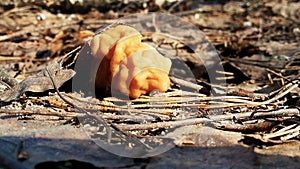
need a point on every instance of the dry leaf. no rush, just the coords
(38, 83)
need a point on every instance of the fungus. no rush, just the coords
(128, 65)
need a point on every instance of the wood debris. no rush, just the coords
(257, 93)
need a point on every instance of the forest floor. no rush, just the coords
(245, 115)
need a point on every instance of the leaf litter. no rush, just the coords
(260, 112)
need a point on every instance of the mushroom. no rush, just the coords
(128, 65)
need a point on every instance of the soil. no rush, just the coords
(248, 119)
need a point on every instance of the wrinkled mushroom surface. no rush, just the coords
(128, 65)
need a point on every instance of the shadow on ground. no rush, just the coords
(74, 153)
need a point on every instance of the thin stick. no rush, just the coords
(41, 112)
(281, 133)
(99, 118)
(278, 74)
(13, 58)
(108, 129)
(279, 95)
(186, 83)
(65, 57)
(38, 29)
(174, 6)
(193, 121)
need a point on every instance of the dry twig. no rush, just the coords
(280, 112)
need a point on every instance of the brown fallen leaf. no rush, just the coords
(38, 83)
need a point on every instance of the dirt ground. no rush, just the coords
(245, 116)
